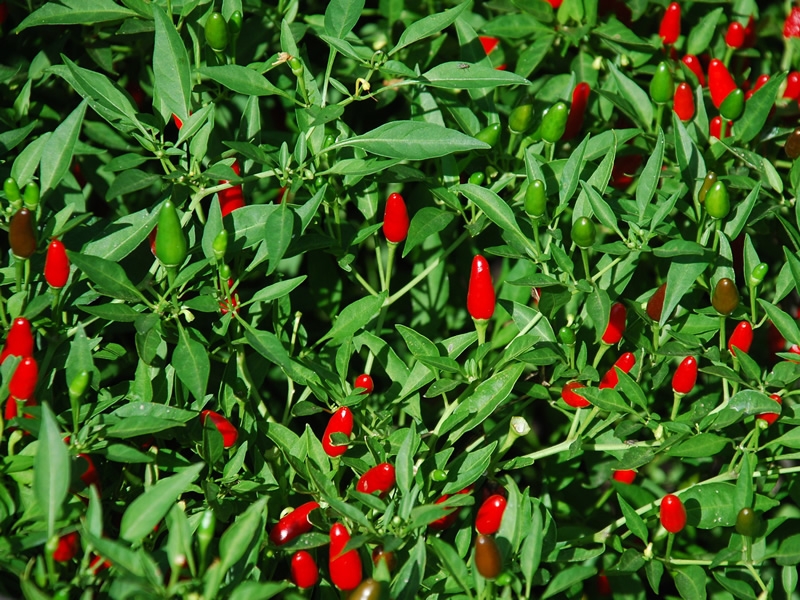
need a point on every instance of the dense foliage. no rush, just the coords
(500, 297)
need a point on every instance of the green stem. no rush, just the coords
(659, 115)
(576, 419)
(670, 540)
(721, 335)
(20, 271)
(753, 296)
(605, 269)
(600, 352)
(676, 403)
(585, 257)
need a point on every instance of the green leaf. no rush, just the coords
(607, 399)
(467, 76)
(131, 180)
(757, 109)
(691, 580)
(126, 234)
(405, 459)
(470, 468)
(570, 175)
(354, 317)
(191, 362)
(566, 578)
(239, 537)
(651, 175)
(341, 16)
(428, 26)
(701, 32)
(711, 505)
(107, 275)
(278, 231)
(146, 511)
(703, 444)
(785, 324)
(413, 140)
(452, 563)
(634, 522)
(736, 222)
(75, 12)
(634, 95)
(51, 469)
(426, 222)
(598, 307)
(680, 279)
(59, 149)
(788, 553)
(498, 211)
(241, 80)
(171, 66)
(276, 290)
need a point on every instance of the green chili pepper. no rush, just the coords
(477, 178)
(718, 202)
(758, 274)
(490, 134)
(217, 32)
(710, 179)
(31, 198)
(171, 244)
(748, 523)
(733, 105)
(235, 24)
(205, 533)
(535, 199)
(520, 119)
(225, 272)
(583, 233)
(78, 385)
(11, 190)
(554, 122)
(662, 85)
(725, 298)
(21, 236)
(567, 336)
(220, 245)
(296, 65)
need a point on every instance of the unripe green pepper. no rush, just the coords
(567, 336)
(554, 122)
(296, 65)
(748, 523)
(78, 385)
(31, 197)
(583, 233)
(489, 134)
(171, 244)
(11, 190)
(220, 245)
(235, 24)
(225, 272)
(217, 32)
(725, 298)
(520, 119)
(718, 202)
(733, 105)
(758, 274)
(205, 533)
(477, 178)
(535, 199)
(710, 179)
(662, 85)
(21, 236)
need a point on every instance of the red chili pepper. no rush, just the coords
(670, 28)
(19, 341)
(720, 82)
(691, 61)
(490, 515)
(98, 564)
(604, 585)
(345, 569)
(555, 3)
(792, 90)
(225, 305)
(340, 422)
(379, 554)
(68, 546)
(90, 475)
(762, 79)
(292, 525)
(791, 27)
(624, 170)
(741, 338)
(56, 265)
(489, 43)
(447, 520)
(616, 324)
(735, 37)
(683, 102)
(23, 381)
(580, 98)
(655, 305)
(770, 418)
(685, 376)
(225, 427)
(715, 128)
(305, 573)
(673, 513)
(178, 122)
(395, 219)
(231, 198)
(571, 398)
(624, 363)
(625, 476)
(364, 382)
(379, 478)
(480, 294)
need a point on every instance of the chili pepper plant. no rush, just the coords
(399, 299)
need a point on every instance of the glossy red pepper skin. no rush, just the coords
(571, 398)
(735, 36)
(56, 265)
(19, 341)
(395, 219)
(691, 61)
(340, 422)
(229, 433)
(90, 475)
(23, 381)
(489, 43)
(683, 102)
(177, 120)
(68, 546)
(791, 27)
(670, 28)
(490, 515)
(446, 521)
(750, 33)
(720, 82)
(580, 99)
(685, 376)
(655, 305)
(792, 90)
(380, 478)
(480, 295)
(345, 569)
(233, 197)
(625, 476)
(304, 570)
(770, 418)
(616, 324)
(715, 128)
(673, 513)
(292, 525)
(364, 382)
(624, 170)
(624, 363)
(741, 338)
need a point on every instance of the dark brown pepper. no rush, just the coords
(487, 556)
(710, 179)
(792, 145)
(21, 236)
(725, 298)
(370, 589)
(656, 303)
